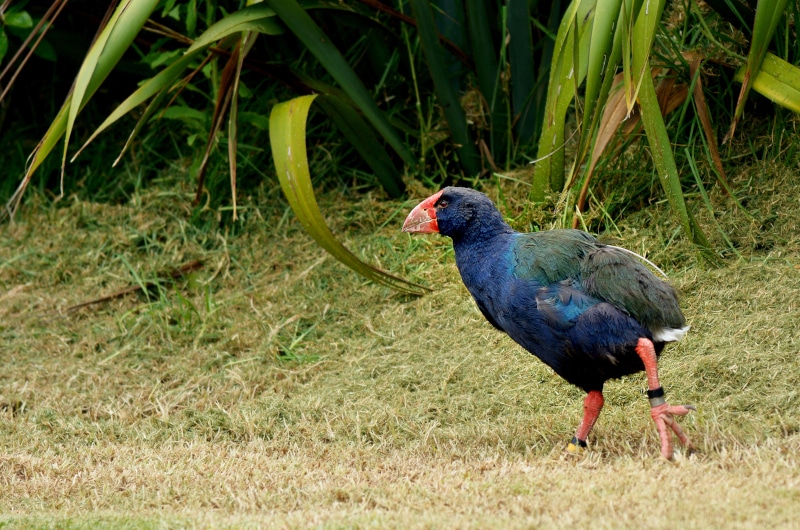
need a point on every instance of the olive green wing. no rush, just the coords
(551, 256)
(615, 276)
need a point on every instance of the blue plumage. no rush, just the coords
(531, 286)
(591, 312)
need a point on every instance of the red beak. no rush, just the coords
(422, 218)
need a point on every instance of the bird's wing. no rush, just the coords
(551, 256)
(620, 279)
(560, 304)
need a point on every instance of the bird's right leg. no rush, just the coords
(662, 412)
(592, 406)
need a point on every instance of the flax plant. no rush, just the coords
(599, 38)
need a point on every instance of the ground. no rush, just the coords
(274, 387)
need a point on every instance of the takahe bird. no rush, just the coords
(591, 312)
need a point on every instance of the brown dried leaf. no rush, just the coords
(705, 119)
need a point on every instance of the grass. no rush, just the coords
(275, 388)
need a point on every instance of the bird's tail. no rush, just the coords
(669, 334)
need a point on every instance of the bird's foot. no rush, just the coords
(576, 446)
(663, 415)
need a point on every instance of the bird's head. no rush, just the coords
(455, 212)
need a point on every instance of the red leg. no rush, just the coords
(592, 406)
(661, 411)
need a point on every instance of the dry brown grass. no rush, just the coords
(275, 388)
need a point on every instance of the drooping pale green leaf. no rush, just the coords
(777, 80)
(447, 97)
(768, 14)
(313, 38)
(287, 132)
(51, 137)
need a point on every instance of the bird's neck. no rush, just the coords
(491, 227)
(481, 259)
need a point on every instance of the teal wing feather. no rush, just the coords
(562, 303)
(551, 256)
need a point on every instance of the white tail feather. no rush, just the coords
(669, 334)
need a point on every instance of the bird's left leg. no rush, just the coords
(661, 411)
(592, 406)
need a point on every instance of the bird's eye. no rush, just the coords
(442, 204)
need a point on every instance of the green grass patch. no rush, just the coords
(274, 387)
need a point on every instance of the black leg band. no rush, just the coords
(579, 443)
(656, 397)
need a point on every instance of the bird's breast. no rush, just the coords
(486, 272)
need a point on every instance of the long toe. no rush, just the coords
(664, 417)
